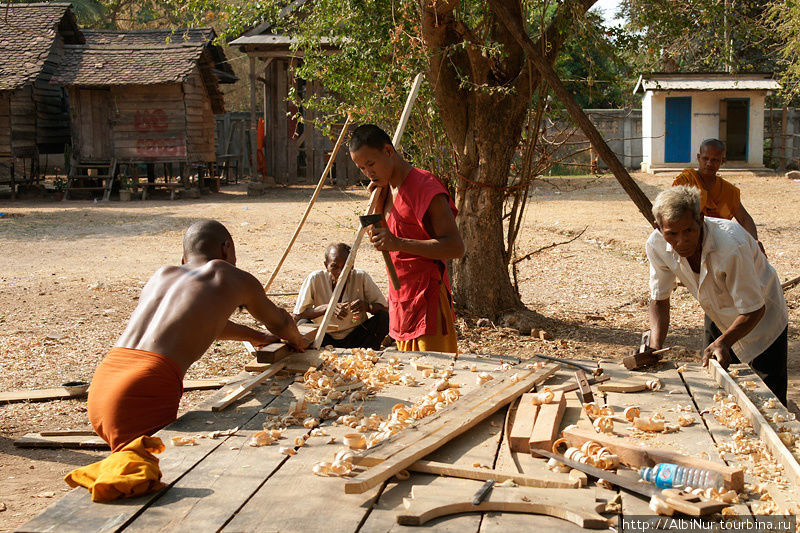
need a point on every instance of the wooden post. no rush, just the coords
(546, 70)
(783, 153)
(253, 122)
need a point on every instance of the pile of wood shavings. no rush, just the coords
(356, 373)
(745, 443)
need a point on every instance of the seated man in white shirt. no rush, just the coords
(360, 296)
(723, 267)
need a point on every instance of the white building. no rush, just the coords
(681, 110)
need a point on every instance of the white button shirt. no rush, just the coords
(735, 279)
(317, 290)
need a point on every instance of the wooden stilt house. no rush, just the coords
(295, 151)
(142, 98)
(34, 116)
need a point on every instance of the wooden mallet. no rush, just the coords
(375, 220)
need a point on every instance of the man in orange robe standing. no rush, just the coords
(420, 234)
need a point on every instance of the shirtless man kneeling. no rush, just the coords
(183, 309)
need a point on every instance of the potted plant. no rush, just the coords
(126, 189)
(59, 185)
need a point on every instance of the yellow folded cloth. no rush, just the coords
(128, 473)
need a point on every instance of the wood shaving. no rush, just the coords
(183, 441)
(631, 413)
(685, 420)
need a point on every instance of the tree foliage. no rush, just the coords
(701, 35)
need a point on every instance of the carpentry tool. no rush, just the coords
(483, 492)
(373, 206)
(595, 371)
(678, 500)
(375, 220)
(584, 390)
(644, 356)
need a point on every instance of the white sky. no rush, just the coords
(607, 8)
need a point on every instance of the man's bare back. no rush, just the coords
(183, 309)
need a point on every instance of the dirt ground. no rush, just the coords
(71, 272)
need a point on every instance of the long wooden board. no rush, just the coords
(244, 388)
(435, 431)
(61, 393)
(483, 474)
(762, 428)
(62, 439)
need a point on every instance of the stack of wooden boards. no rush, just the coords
(536, 426)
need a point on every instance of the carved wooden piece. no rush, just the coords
(574, 505)
(483, 474)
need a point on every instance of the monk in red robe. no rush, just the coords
(420, 234)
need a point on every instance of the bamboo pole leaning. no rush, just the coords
(313, 199)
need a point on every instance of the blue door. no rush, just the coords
(678, 131)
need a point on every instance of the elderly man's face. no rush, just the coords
(335, 263)
(682, 234)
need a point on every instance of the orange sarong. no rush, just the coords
(444, 340)
(133, 393)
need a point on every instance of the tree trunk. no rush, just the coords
(483, 120)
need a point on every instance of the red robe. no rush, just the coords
(413, 308)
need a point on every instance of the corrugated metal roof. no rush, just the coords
(711, 81)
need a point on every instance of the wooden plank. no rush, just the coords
(435, 431)
(64, 439)
(244, 388)
(522, 427)
(762, 428)
(548, 423)
(476, 446)
(483, 474)
(624, 385)
(76, 513)
(61, 393)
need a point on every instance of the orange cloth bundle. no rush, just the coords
(722, 201)
(133, 393)
(128, 473)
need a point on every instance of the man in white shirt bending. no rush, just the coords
(360, 296)
(723, 267)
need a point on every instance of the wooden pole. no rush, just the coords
(310, 203)
(595, 138)
(373, 206)
(253, 123)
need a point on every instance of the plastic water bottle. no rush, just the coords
(668, 475)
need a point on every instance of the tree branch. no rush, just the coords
(543, 248)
